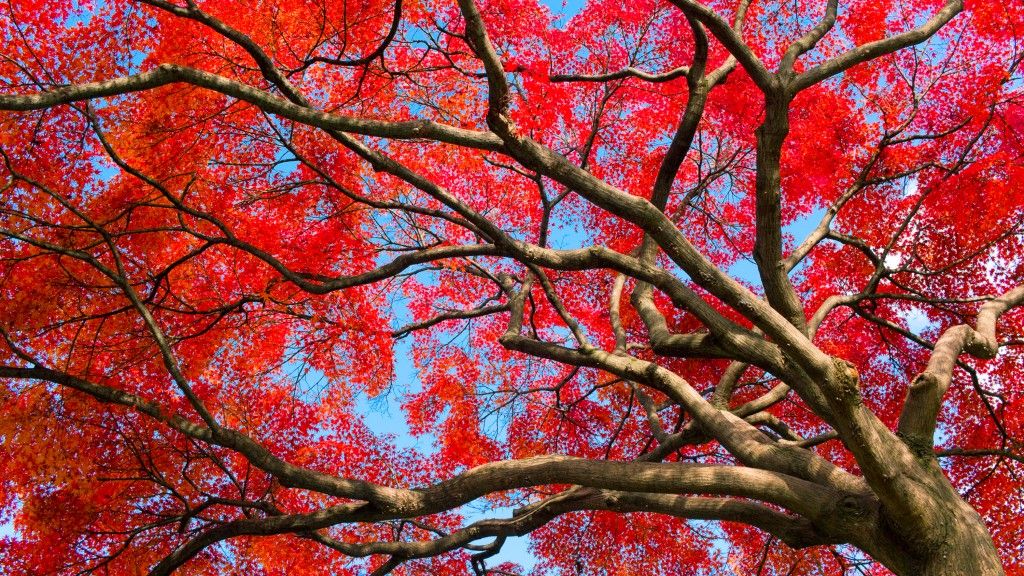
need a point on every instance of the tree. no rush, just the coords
(668, 274)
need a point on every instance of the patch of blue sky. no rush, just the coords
(564, 10)
(384, 416)
(567, 231)
(746, 269)
(7, 526)
(384, 413)
(82, 12)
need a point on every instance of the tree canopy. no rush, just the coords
(671, 287)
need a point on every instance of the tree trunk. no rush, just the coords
(966, 548)
(958, 544)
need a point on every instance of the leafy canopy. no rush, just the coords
(229, 228)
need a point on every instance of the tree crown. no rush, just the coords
(626, 271)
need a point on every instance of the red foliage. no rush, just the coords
(212, 199)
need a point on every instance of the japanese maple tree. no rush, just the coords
(670, 287)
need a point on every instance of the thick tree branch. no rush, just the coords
(808, 41)
(166, 74)
(731, 38)
(924, 398)
(878, 48)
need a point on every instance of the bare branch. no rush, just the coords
(628, 72)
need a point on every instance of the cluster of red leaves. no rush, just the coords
(98, 490)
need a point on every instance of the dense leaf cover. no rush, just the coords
(255, 220)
